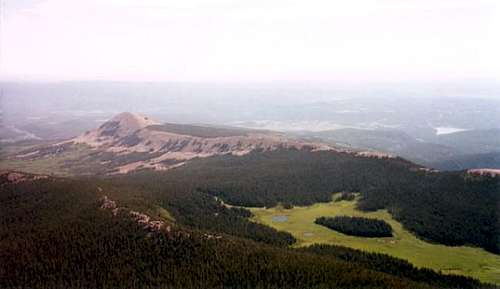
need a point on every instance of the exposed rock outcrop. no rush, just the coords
(147, 223)
(142, 219)
(11, 177)
(374, 154)
(485, 172)
(107, 203)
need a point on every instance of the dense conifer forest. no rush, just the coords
(357, 226)
(452, 208)
(61, 237)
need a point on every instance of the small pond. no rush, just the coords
(280, 218)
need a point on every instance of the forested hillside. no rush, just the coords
(57, 233)
(453, 208)
(470, 161)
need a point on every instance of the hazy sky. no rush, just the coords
(254, 40)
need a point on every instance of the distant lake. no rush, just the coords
(447, 130)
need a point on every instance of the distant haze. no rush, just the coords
(286, 106)
(245, 41)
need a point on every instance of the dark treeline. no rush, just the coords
(346, 196)
(202, 211)
(451, 208)
(357, 226)
(54, 235)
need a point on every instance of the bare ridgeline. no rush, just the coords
(131, 142)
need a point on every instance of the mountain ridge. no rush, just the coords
(129, 142)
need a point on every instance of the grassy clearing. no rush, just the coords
(163, 214)
(462, 260)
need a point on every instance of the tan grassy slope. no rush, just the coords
(131, 142)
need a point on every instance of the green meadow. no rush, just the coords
(299, 221)
(61, 164)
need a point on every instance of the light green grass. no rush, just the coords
(163, 214)
(52, 165)
(462, 260)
